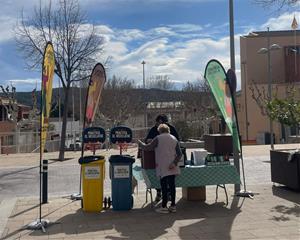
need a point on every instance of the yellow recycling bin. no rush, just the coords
(93, 174)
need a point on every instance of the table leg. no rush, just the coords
(225, 190)
(149, 190)
(217, 192)
(151, 198)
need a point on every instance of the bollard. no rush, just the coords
(45, 182)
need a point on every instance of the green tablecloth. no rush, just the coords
(197, 176)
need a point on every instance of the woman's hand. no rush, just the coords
(140, 144)
(172, 166)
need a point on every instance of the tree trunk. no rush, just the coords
(64, 125)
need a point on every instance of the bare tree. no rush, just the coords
(278, 3)
(202, 107)
(161, 82)
(119, 101)
(260, 96)
(12, 107)
(76, 45)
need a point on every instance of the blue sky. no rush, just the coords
(175, 38)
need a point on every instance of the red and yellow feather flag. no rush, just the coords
(96, 83)
(46, 91)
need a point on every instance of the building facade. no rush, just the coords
(281, 64)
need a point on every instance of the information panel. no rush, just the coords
(120, 134)
(93, 135)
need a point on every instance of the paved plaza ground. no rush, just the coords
(274, 213)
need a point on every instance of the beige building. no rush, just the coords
(285, 72)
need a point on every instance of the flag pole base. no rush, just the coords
(76, 196)
(244, 193)
(38, 224)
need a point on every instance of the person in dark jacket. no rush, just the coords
(153, 132)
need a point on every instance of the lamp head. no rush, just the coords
(262, 51)
(275, 47)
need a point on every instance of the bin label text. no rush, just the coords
(92, 172)
(121, 171)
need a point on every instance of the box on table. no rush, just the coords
(194, 193)
(219, 144)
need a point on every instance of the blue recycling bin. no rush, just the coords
(121, 182)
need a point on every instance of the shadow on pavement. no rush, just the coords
(193, 218)
(17, 171)
(58, 160)
(286, 193)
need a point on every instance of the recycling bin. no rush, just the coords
(93, 174)
(121, 182)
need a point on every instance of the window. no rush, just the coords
(292, 63)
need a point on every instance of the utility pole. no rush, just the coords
(270, 88)
(236, 157)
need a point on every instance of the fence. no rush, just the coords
(27, 142)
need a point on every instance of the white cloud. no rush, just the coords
(180, 50)
(25, 81)
(283, 22)
(182, 61)
(7, 24)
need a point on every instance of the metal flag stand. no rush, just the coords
(39, 223)
(95, 73)
(78, 196)
(231, 80)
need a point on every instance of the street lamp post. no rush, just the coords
(144, 87)
(268, 52)
(144, 84)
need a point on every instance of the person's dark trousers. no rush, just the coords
(158, 194)
(168, 185)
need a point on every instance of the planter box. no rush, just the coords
(219, 144)
(283, 171)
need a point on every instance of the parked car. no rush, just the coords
(71, 147)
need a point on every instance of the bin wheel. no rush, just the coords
(131, 201)
(105, 202)
(109, 202)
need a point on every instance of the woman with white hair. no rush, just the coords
(167, 156)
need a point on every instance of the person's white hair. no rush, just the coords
(163, 128)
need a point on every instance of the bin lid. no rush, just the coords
(89, 159)
(121, 159)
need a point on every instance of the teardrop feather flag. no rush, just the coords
(46, 91)
(96, 83)
(219, 85)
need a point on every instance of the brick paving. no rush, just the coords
(274, 213)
